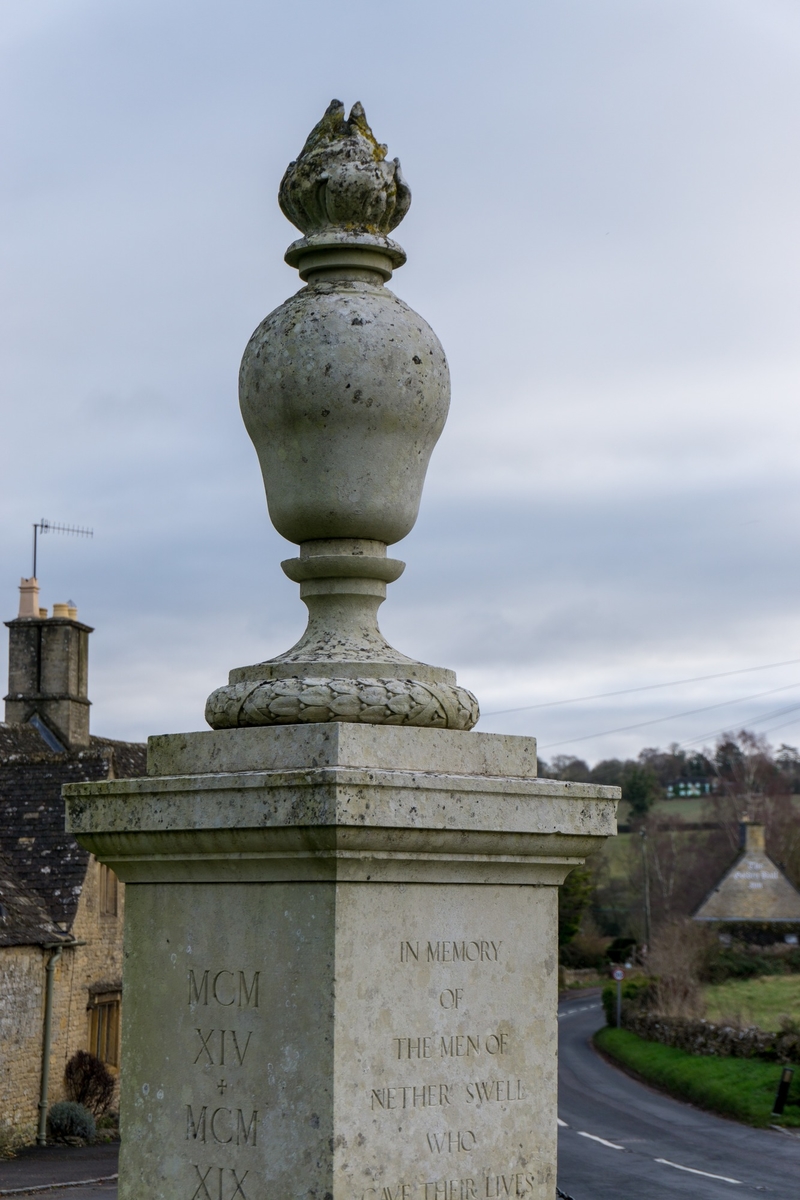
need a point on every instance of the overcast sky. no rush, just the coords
(605, 236)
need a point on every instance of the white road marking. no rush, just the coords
(602, 1141)
(694, 1171)
(563, 1124)
(570, 1012)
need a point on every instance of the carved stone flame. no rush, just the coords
(342, 179)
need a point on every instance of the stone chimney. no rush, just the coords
(752, 836)
(48, 662)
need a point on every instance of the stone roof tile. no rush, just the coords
(47, 860)
(754, 889)
(24, 921)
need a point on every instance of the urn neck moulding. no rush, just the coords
(344, 391)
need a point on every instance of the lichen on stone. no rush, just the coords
(342, 179)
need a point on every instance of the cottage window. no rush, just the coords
(104, 1021)
(108, 891)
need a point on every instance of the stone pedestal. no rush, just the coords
(341, 916)
(341, 961)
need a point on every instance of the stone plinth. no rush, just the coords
(341, 961)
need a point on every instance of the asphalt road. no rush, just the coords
(620, 1140)
(43, 1166)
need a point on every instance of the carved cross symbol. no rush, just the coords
(221, 1087)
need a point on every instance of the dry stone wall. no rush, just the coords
(704, 1037)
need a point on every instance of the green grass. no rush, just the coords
(624, 851)
(689, 808)
(761, 1001)
(742, 1088)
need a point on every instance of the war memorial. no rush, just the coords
(340, 976)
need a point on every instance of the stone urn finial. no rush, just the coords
(344, 391)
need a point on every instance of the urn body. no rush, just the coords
(344, 391)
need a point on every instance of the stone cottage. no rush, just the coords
(754, 891)
(60, 910)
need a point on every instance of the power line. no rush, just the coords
(648, 687)
(783, 725)
(689, 713)
(776, 712)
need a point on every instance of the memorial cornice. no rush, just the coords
(344, 823)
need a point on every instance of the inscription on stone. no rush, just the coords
(455, 1045)
(426, 1095)
(489, 1185)
(412, 1065)
(223, 1126)
(213, 1046)
(463, 1112)
(464, 951)
(224, 987)
(219, 1124)
(498, 1090)
(460, 1139)
(492, 1186)
(218, 1183)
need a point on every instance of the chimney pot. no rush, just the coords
(29, 597)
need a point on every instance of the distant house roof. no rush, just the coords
(754, 889)
(47, 864)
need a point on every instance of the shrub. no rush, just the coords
(585, 951)
(740, 962)
(67, 1119)
(621, 949)
(573, 898)
(89, 1082)
(677, 956)
(637, 995)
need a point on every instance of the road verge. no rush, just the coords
(743, 1089)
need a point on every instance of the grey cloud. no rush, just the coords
(604, 236)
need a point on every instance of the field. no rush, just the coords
(690, 808)
(617, 851)
(741, 1088)
(762, 1001)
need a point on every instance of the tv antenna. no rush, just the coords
(45, 526)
